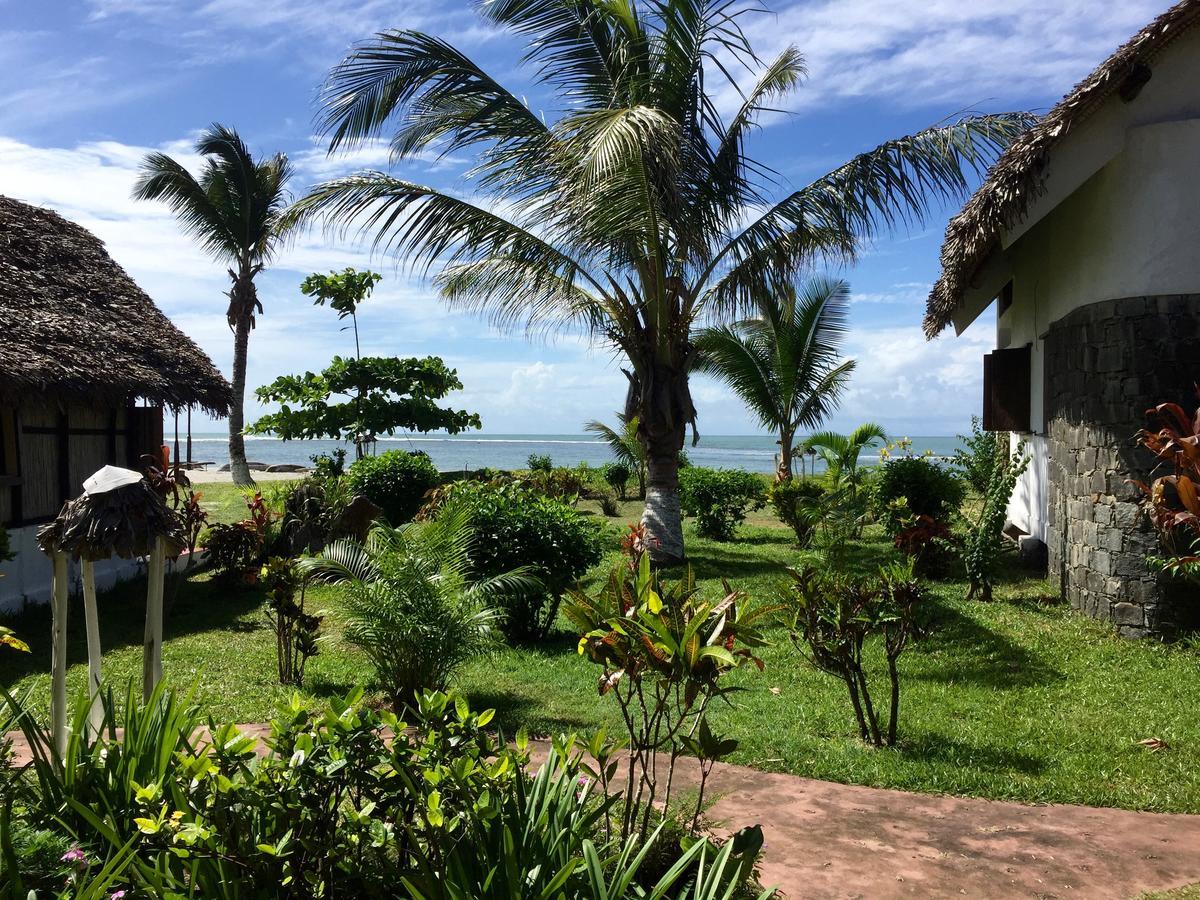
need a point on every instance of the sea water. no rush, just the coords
(754, 453)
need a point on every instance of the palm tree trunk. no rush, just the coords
(243, 302)
(237, 445)
(662, 517)
(785, 456)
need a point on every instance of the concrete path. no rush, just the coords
(826, 840)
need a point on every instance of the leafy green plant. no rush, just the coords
(979, 454)
(984, 545)
(329, 465)
(1173, 499)
(625, 445)
(616, 475)
(833, 613)
(719, 498)
(799, 504)
(344, 291)
(841, 452)
(908, 486)
(8, 638)
(929, 543)
(539, 462)
(567, 485)
(609, 505)
(517, 528)
(297, 631)
(664, 654)
(412, 602)
(395, 481)
(236, 549)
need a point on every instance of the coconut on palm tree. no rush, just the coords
(629, 210)
(785, 364)
(234, 209)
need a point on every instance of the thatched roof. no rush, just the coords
(74, 325)
(121, 522)
(1018, 175)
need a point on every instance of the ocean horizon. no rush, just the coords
(753, 453)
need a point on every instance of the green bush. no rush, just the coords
(516, 527)
(616, 475)
(539, 462)
(719, 498)
(797, 503)
(338, 807)
(925, 487)
(394, 481)
(979, 454)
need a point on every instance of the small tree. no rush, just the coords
(979, 454)
(344, 292)
(984, 545)
(835, 611)
(381, 396)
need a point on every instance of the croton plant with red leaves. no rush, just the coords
(1173, 498)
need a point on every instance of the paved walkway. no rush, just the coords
(828, 840)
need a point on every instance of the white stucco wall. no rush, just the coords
(25, 580)
(1130, 228)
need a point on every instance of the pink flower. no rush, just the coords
(76, 857)
(117, 895)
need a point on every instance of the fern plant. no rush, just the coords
(412, 603)
(984, 545)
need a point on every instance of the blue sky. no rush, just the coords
(89, 86)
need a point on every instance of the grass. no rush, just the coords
(1017, 699)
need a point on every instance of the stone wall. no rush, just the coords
(1105, 364)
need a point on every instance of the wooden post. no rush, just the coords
(58, 663)
(152, 655)
(92, 620)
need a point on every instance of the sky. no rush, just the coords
(88, 87)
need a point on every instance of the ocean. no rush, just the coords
(754, 453)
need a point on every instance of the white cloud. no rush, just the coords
(946, 52)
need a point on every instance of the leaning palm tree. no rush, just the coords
(234, 209)
(840, 452)
(625, 445)
(785, 363)
(631, 211)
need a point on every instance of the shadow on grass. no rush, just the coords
(932, 747)
(969, 651)
(200, 606)
(514, 711)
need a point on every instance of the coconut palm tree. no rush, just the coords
(625, 445)
(785, 363)
(234, 209)
(633, 209)
(840, 452)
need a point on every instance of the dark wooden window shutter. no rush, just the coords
(1006, 390)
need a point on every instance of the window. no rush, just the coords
(1007, 389)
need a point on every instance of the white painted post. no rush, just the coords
(58, 663)
(92, 618)
(152, 655)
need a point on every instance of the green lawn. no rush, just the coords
(1015, 699)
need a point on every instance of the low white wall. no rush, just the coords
(1030, 500)
(25, 580)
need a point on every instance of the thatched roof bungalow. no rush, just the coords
(1084, 234)
(87, 365)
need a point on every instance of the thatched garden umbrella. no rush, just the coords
(117, 514)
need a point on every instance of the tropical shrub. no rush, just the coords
(539, 462)
(1173, 499)
(9, 639)
(833, 612)
(609, 505)
(980, 453)
(412, 602)
(567, 485)
(312, 515)
(297, 631)
(627, 448)
(984, 545)
(719, 498)
(798, 504)
(616, 475)
(347, 802)
(236, 549)
(395, 481)
(929, 543)
(329, 465)
(664, 653)
(925, 487)
(516, 528)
